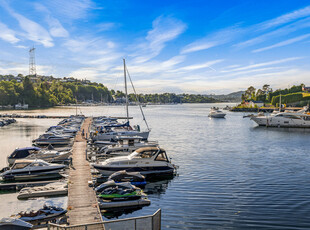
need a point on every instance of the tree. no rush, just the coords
(250, 92)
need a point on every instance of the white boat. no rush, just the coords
(112, 135)
(147, 161)
(48, 138)
(126, 145)
(25, 170)
(52, 189)
(21, 106)
(107, 204)
(216, 113)
(284, 119)
(33, 153)
(14, 224)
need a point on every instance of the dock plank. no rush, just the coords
(82, 200)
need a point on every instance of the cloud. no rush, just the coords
(199, 66)
(7, 34)
(16, 68)
(215, 39)
(33, 30)
(266, 63)
(283, 43)
(164, 29)
(21, 47)
(286, 18)
(56, 29)
(89, 73)
(73, 9)
(106, 26)
(301, 24)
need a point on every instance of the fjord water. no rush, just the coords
(232, 174)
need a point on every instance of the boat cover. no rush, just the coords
(23, 152)
(11, 223)
(126, 176)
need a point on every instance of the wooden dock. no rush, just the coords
(82, 201)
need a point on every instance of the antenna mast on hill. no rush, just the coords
(32, 62)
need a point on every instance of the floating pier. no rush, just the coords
(82, 201)
(14, 115)
(19, 185)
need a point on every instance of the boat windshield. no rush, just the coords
(36, 164)
(162, 156)
(144, 154)
(20, 165)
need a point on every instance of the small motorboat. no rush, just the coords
(47, 213)
(147, 161)
(135, 178)
(108, 204)
(14, 224)
(119, 191)
(120, 195)
(49, 138)
(52, 189)
(216, 113)
(26, 170)
(38, 153)
(125, 145)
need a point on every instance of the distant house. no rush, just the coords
(306, 89)
(252, 103)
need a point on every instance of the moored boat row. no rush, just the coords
(37, 163)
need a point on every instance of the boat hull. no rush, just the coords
(111, 136)
(285, 123)
(103, 204)
(34, 175)
(106, 171)
(217, 115)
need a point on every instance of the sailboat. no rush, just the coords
(110, 132)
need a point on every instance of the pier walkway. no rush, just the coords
(82, 202)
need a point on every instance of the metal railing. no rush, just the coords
(150, 222)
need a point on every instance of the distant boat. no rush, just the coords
(21, 106)
(299, 119)
(216, 113)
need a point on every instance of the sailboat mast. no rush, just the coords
(125, 78)
(280, 103)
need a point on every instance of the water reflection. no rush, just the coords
(157, 187)
(280, 129)
(118, 212)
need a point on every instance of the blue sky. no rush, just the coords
(169, 46)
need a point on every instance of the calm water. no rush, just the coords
(232, 175)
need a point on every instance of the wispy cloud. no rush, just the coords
(33, 30)
(164, 29)
(7, 34)
(283, 43)
(106, 26)
(267, 63)
(286, 18)
(282, 31)
(207, 64)
(215, 39)
(56, 29)
(73, 9)
(16, 68)
(21, 47)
